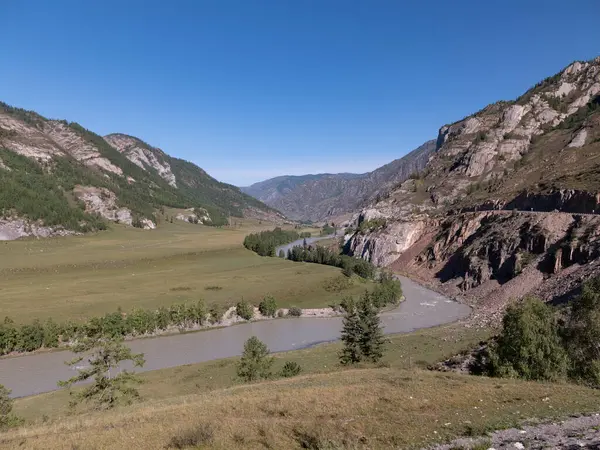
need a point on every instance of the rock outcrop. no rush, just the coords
(510, 193)
(143, 155)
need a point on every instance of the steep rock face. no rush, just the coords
(143, 155)
(103, 202)
(318, 197)
(540, 153)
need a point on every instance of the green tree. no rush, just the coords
(529, 344)
(351, 335)
(255, 363)
(7, 418)
(244, 310)
(582, 335)
(281, 253)
(268, 306)
(371, 339)
(111, 385)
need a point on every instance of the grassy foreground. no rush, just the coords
(82, 276)
(361, 408)
(403, 351)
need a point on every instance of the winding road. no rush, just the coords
(423, 308)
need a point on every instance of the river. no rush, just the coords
(423, 308)
(309, 241)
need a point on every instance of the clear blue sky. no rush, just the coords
(251, 89)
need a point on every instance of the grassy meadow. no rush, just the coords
(81, 276)
(394, 405)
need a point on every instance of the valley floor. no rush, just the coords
(78, 277)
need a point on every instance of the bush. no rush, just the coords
(387, 292)
(529, 345)
(7, 419)
(32, 337)
(202, 435)
(255, 363)
(290, 369)
(244, 310)
(582, 335)
(294, 312)
(216, 312)
(268, 307)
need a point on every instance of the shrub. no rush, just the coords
(51, 334)
(529, 345)
(216, 312)
(244, 310)
(268, 307)
(294, 312)
(201, 435)
(7, 418)
(32, 337)
(290, 369)
(582, 335)
(255, 363)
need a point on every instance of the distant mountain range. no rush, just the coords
(317, 197)
(56, 176)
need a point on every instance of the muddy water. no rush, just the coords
(32, 374)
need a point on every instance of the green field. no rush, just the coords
(82, 276)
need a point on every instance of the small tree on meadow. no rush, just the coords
(281, 253)
(371, 339)
(255, 363)
(351, 335)
(111, 385)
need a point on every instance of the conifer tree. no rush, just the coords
(351, 335)
(371, 339)
(112, 385)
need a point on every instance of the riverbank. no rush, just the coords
(37, 373)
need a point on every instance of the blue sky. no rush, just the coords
(251, 89)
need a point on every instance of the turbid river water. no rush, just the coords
(33, 374)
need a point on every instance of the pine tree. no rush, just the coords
(371, 337)
(111, 385)
(351, 335)
(255, 362)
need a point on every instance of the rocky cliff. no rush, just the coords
(319, 197)
(57, 177)
(509, 194)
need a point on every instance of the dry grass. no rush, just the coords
(404, 351)
(83, 276)
(368, 408)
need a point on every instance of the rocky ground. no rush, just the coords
(575, 433)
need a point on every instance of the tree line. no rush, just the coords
(322, 255)
(265, 242)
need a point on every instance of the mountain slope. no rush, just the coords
(57, 177)
(495, 213)
(316, 197)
